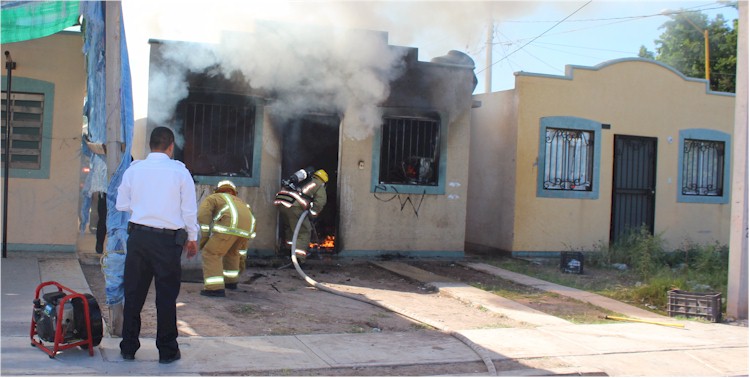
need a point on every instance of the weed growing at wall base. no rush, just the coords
(638, 270)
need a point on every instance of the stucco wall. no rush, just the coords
(42, 212)
(372, 221)
(430, 224)
(635, 97)
(492, 172)
(260, 198)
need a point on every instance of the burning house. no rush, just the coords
(391, 131)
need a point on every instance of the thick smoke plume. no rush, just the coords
(313, 59)
(305, 69)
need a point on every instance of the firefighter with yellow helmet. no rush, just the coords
(304, 190)
(227, 225)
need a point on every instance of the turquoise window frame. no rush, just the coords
(712, 135)
(570, 123)
(25, 84)
(257, 154)
(377, 187)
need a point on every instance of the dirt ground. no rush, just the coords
(356, 297)
(272, 301)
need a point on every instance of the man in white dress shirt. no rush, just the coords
(159, 193)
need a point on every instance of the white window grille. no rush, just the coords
(568, 159)
(703, 168)
(410, 151)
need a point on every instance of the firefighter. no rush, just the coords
(304, 190)
(227, 225)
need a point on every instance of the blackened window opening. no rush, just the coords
(568, 160)
(703, 168)
(26, 125)
(409, 152)
(219, 131)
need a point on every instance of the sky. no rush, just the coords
(531, 36)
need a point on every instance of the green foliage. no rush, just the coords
(682, 46)
(651, 272)
(654, 292)
(637, 249)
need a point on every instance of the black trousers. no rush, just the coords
(101, 225)
(151, 256)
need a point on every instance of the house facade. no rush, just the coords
(398, 188)
(48, 88)
(568, 163)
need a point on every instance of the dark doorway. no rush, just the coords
(633, 185)
(313, 140)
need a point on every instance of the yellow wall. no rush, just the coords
(402, 222)
(42, 212)
(492, 172)
(636, 97)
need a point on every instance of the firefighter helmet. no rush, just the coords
(224, 185)
(321, 174)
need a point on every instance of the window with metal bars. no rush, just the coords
(410, 151)
(703, 168)
(568, 159)
(219, 134)
(26, 126)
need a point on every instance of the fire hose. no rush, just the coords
(481, 352)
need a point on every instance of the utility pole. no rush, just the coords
(10, 65)
(113, 66)
(737, 283)
(488, 73)
(705, 43)
(668, 12)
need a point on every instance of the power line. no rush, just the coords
(543, 33)
(623, 18)
(581, 47)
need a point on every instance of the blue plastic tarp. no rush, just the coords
(113, 261)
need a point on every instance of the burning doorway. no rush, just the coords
(313, 140)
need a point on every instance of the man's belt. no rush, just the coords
(135, 226)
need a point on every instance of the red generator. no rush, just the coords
(65, 318)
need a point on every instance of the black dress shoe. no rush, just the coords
(213, 293)
(128, 356)
(231, 286)
(169, 360)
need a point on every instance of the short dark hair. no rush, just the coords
(161, 138)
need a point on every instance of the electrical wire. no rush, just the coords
(535, 38)
(696, 9)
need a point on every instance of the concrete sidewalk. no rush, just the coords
(620, 349)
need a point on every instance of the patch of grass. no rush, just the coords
(242, 309)
(356, 329)
(649, 271)
(422, 326)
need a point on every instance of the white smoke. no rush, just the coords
(312, 56)
(306, 69)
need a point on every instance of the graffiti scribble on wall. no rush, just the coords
(403, 199)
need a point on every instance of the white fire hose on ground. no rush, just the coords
(481, 352)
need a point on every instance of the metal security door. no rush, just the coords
(634, 185)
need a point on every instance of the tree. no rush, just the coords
(681, 46)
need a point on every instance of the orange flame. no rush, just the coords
(328, 243)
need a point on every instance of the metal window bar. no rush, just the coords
(568, 159)
(409, 152)
(27, 117)
(703, 168)
(221, 138)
